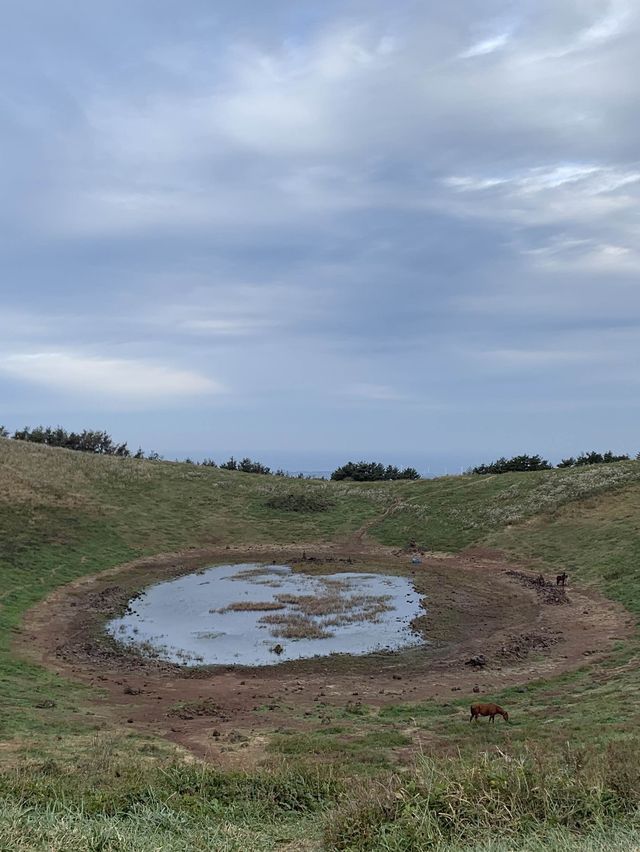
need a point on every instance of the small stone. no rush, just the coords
(237, 737)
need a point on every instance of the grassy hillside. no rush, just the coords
(65, 514)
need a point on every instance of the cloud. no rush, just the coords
(578, 194)
(115, 379)
(519, 360)
(311, 196)
(587, 256)
(223, 327)
(486, 46)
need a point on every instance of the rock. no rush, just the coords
(47, 704)
(478, 662)
(237, 737)
(476, 689)
(131, 690)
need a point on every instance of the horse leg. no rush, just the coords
(492, 718)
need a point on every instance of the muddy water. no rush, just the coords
(189, 620)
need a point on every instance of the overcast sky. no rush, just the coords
(307, 231)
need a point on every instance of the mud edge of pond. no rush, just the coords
(477, 606)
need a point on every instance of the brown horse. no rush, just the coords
(490, 710)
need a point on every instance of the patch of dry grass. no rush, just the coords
(343, 609)
(294, 626)
(311, 616)
(253, 573)
(250, 606)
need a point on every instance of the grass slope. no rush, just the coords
(65, 514)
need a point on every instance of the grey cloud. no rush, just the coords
(346, 201)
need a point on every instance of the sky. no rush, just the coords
(315, 231)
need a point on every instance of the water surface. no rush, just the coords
(199, 619)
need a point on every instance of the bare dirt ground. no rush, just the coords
(477, 607)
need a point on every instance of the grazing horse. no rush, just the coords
(490, 710)
(561, 579)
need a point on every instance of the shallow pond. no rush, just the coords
(254, 615)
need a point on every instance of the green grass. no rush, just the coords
(109, 803)
(516, 798)
(596, 540)
(64, 515)
(575, 798)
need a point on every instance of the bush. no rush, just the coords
(520, 463)
(593, 458)
(460, 801)
(245, 466)
(373, 472)
(87, 441)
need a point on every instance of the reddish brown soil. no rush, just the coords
(474, 608)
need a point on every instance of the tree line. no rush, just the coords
(99, 442)
(373, 472)
(87, 441)
(524, 462)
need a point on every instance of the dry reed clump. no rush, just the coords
(292, 626)
(461, 800)
(310, 616)
(253, 573)
(250, 606)
(342, 608)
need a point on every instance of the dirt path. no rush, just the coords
(475, 607)
(359, 540)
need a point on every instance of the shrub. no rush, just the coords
(373, 472)
(87, 441)
(517, 463)
(247, 465)
(593, 458)
(446, 803)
